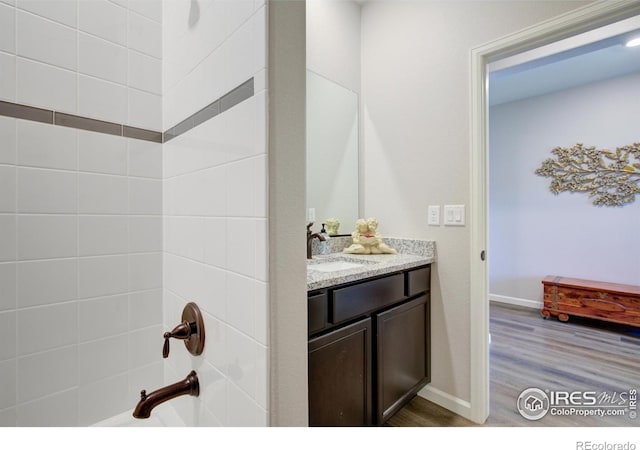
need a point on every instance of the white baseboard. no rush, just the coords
(535, 304)
(448, 401)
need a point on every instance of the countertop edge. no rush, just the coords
(367, 272)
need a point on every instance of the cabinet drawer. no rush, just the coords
(418, 281)
(353, 301)
(317, 312)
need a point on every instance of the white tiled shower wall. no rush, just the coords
(80, 269)
(94, 58)
(215, 242)
(81, 213)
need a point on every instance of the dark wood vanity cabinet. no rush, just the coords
(369, 351)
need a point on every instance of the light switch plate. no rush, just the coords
(433, 215)
(454, 215)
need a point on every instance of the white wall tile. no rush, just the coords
(149, 9)
(7, 29)
(8, 138)
(102, 275)
(102, 235)
(184, 237)
(215, 349)
(8, 377)
(261, 294)
(215, 241)
(102, 399)
(145, 271)
(102, 194)
(241, 303)
(47, 236)
(102, 359)
(103, 153)
(46, 282)
(47, 373)
(58, 410)
(8, 335)
(145, 72)
(262, 250)
(101, 99)
(102, 59)
(260, 194)
(104, 19)
(248, 41)
(211, 183)
(46, 191)
(8, 237)
(213, 291)
(8, 282)
(8, 77)
(241, 238)
(32, 89)
(145, 110)
(145, 35)
(8, 417)
(102, 317)
(236, 13)
(143, 346)
(46, 146)
(47, 327)
(46, 41)
(7, 189)
(62, 11)
(241, 189)
(145, 309)
(147, 377)
(145, 196)
(214, 401)
(145, 234)
(241, 361)
(262, 376)
(243, 411)
(145, 158)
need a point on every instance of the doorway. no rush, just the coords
(579, 22)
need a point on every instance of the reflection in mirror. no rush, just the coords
(332, 152)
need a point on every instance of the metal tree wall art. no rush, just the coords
(611, 177)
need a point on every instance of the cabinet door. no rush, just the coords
(403, 363)
(340, 369)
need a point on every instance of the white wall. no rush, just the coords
(215, 208)
(534, 233)
(333, 41)
(415, 112)
(80, 213)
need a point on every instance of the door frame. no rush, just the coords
(581, 20)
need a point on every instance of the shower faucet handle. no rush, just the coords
(182, 331)
(191, 331)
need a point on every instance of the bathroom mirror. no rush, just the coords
(332, 153)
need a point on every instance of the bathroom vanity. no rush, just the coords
(369, 336)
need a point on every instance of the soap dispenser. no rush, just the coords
(325, 248)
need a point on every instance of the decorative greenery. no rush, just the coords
(611, 177)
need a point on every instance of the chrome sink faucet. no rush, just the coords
(310, 237)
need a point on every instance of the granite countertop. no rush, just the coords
(350, 267)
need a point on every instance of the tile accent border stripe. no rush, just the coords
(18, 111)
(227, 101)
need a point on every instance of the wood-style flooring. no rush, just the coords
(528, 351)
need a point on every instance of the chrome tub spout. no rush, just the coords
(188, 386)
